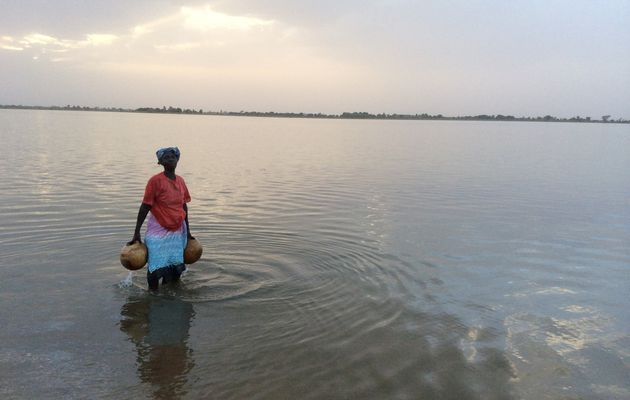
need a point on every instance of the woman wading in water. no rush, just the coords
(168, 231)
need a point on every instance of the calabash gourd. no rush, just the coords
(193, 251)
(134, 256)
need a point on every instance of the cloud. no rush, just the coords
(202, 35)
(201, 21)
(37, 38)
(8, 43)
(176, 47)
(201, 29)
(205, 19)
(199, 44)
(96, 39)
(45, 43)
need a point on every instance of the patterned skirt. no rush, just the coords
(165, 247)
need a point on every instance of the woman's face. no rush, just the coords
(169, 160)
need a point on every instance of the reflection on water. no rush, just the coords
(412, 356)
(158, 326)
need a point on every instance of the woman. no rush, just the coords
(168, 231)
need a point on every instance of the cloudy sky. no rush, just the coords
(563, 58)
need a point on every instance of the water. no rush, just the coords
(342, 259)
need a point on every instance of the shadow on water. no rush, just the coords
(159, 328)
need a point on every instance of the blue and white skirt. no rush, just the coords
(166, 248)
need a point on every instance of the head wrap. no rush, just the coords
(160, 153)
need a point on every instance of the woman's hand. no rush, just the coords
(136, 238)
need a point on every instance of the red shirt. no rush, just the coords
(166, 198)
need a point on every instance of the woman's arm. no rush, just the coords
(142, 214)
(187, 224)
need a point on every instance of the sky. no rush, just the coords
(510, 57)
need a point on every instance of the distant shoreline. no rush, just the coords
(606, 119)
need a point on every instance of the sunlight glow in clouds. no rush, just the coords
(197, 28)
(204, 19)
(201, 20)
(96, 39)
(8, 43)
(49, 43)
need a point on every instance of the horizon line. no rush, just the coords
(343, 115)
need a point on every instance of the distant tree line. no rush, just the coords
(169, 110)
(272, 114)
(64, 108)
(344, 115)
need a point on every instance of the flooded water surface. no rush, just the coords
(342, 259)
